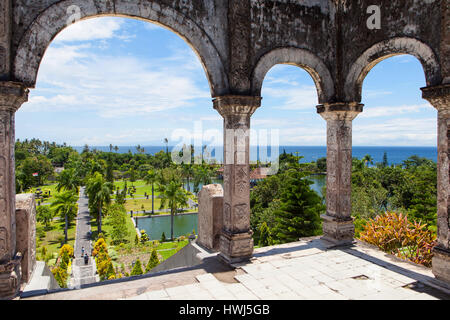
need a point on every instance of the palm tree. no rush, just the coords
(151, 178)
(175, 197)
(166, 141)
(367, 159)
(188, 172)
(99, 192)
(65, 205)
(202, 174)
(68, 180)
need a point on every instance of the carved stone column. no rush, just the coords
(236, 241)
(439, 97)
(337, 223)
(12, 96)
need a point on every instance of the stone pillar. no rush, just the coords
(337, 223)
(210, 216)
(12, 96)
(439, 97)
(26, 233)
(236, 241)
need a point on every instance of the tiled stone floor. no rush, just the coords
(304, 270)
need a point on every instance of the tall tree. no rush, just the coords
(99, 192)
(175, 197)
(65, 205)
(68, 180)
(150, 179)
(300, 208)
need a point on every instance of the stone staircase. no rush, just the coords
(83, 274)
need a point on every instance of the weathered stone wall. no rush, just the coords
(232, 36)
(26, 233)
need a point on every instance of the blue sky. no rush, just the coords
(128, 82)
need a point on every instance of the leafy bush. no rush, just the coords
(153, 261)
(393, 233)
(137, 269)
(144, 236)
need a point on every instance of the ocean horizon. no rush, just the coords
(395, 154)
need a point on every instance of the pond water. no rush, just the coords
(185, 223)
(319, 182)
(154, 226)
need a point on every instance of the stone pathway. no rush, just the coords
(81, 273)
(303, 270)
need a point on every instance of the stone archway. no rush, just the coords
(301, 58)
(53, 20)
(383, 50)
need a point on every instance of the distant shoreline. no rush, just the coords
(395, 154)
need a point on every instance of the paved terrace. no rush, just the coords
(303, 270)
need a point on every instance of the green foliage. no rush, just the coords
(44, 215)
(144, 236)
(65, 205)
(99, 192)
(174, 196)
(60, 271)
(299, 211)
(410, 188)
(163, 237)
(153, 261)
(264, 238)
(68, 180)
(117, 218)
(137, 268)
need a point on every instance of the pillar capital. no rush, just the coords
(12, 95)
(234, 105)
(438, 96)
(340, 110)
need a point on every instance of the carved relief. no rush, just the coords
(241, 217)
(3, 236)
(2, 132)
(2, 178)
(242, 181)
(226, 215)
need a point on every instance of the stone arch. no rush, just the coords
(383, 50)
(54, 19)
(298, 57)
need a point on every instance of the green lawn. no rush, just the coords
(45, 188)
(107, 227)
(52, 237)
(140, 185)
(128, 252)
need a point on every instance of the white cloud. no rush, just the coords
(75, 78)
(397, 132)
(90, 29)
(374, 112)
(304, 97)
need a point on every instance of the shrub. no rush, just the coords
(393, 233)
(66, 250)
(144, 236)
(153, 261)
(60, 276)
(264, 238)
(163, 237)
(137, 269)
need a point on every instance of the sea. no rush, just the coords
(395, 155)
